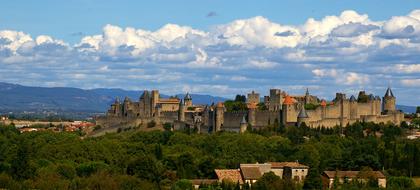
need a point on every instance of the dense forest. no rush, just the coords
(164, 159)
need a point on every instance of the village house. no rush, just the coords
(328, 177)
(250, 173)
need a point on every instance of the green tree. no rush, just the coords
(400, 182)
(182, 184)
(240, 98)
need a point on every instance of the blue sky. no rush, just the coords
(215, 47)
(68, 19)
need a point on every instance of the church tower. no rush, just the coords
(307, 96)
(388, 101)
(188, 100)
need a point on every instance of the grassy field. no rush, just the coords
(417, 181)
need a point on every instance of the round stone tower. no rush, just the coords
(181, 111)
(388, 101)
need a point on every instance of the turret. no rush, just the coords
(126, 106)
(302, 117)
(181, 111)
(252, 107)
(286, 109)
(388, 101)
(307, 96)
(116, 107)
(154, 101)
(323, 109)
(220, 110)
(243, 125)
(353, 107)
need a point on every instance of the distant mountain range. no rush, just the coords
(15, 97)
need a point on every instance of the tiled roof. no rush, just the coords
(233, 175)
(352, 174)
(323, 103)
(251, 172)
(287, 164)
(288, 100)
(171, 100)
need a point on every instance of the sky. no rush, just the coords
(215, 47)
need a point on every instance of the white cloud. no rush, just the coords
(404, 68)
(342, 77)
(335, 52)
(410, 82)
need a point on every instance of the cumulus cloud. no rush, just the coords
(403, 68)
(342, 77)
(341, 52)
(410, 82)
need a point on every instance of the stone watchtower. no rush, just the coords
(388, 104)
(181, 111)
(253, 98)
(353, 107)
(219, 113)
(286, 112)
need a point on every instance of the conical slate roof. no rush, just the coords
(302, 113)
(145, 94)
(352, 98)
(188, 96)
(371, 97)
(117, 100)
(243, 121)
(389, 93)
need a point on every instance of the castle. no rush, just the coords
(278, 107)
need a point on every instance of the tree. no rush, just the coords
(418, 109)
(182, 184)
(158, 152)
(146, 167)
(270, 181)
(262, 106)
(401, 182)
(240, 98)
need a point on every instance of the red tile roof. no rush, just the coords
(233, 175)
(323, 103)
(288, 100)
